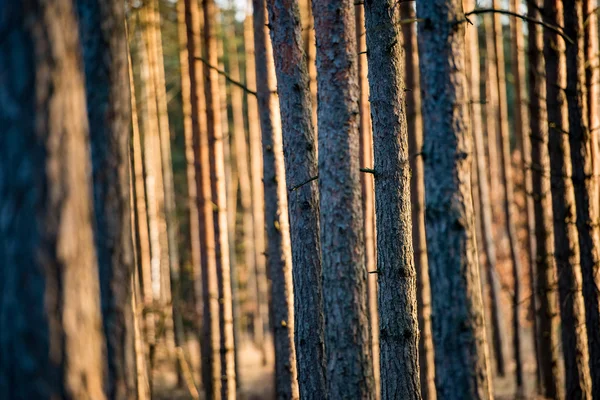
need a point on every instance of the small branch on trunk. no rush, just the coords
(227, 77)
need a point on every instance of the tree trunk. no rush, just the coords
(584, 182)
(368, 191)
(104, 44)
(217, 172)
(261, 315)
(279, 257)
(457, 309)
(300, 167)
(348, 355)
(415, 146)
(51, 338)
(399, 332)
(508, 195)
(210, 340)
(482, 166)
(566, 243)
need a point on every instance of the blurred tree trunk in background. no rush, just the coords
(368, 191)
(218, 189)
(51, 337)
(397, 295)
(300, 166)
(584, 180)
(104, 45)
(279, 257)
(457, 310)
(348, 354)
(261, 315)
(566, 243)
(210, 337)
(415, 146)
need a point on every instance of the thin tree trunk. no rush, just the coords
(348, 354)
(368, 191)
(279, 257)
(508, 198)
(108, 107)
(483, 188)
(396, 272)
(210, 339)
(566, 243)
(300, 165)
(457, 310)
(261, 315)
(592, 76)
(311, 62)
(51, 339)
(217, 170)
(584, 182)
(415, 146)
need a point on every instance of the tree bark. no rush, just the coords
(217, 172)
(566, 243)
(279, 257)
(348, 355)
(457, 309)
(584, 182)
(261, 315)
(396, 273)
(51, 339)
(104, 44)
(368, 191)
(300, 165)
(210, 340)
(415, 146)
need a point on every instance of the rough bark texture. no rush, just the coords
(279, 257)
(399, 332)
(210, 342)
(218, 189)
(368, 190)
(261, 315)
(50, 323)
(415, 145)
(584, 182)
(300, 166)
(348, 354)
(102, 33)
(543, 264)
(566, 243)
(457, 309)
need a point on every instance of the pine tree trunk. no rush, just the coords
(584, 182)
(300, 166)
(457, 309)
(566, 243)
(368, 191)
(483, 188)
(396, 273)
(217, 172)
(102, 34)
(210, 338)
(261, 315)
(415, 146)
(279, 257)
(543, 269)
(51, 338)
(348, 354)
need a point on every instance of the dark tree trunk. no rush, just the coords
(397, 292)
(584, 180)
(415, 146)
(348, 354)
(51, 340)
(300, 165)
(457, 309)
(566, 243)
(102, 33)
